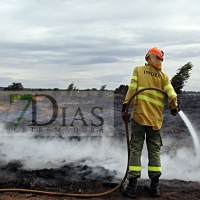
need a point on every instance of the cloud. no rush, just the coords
(45, 40)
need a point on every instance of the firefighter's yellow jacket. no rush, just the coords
(149, 104)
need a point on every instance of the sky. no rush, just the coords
(52, 43)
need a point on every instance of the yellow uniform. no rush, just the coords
(149, 104)
(147, 119)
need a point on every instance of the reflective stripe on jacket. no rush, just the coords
(149, 104)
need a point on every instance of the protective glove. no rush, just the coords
(125, 115)
(124, 108)
(175, 111)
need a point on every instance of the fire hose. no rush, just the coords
(88, 195)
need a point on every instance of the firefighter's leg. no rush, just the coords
(136, 145)
(154, 143)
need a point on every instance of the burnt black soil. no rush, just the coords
(81, 179)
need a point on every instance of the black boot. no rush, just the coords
(154, 187)
(130, 190)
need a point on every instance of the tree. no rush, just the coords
(178, 81)
(121, 90)
(103, 88)
(72, 87)
(15, 87)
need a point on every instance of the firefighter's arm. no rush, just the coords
(172, 97)
(173, 105)
(176, 110)
(131, 91)
(132, 87)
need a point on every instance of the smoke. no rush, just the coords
(54, 152)
(108, 152)
(185, 165)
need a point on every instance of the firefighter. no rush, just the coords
(147, 119)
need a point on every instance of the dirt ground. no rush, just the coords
(188, 191)
(61, 180)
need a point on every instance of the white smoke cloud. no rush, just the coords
(108, 152)
(185, 165)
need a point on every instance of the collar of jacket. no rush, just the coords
(146, 64)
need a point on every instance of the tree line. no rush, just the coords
(178, 81)
(19, 87)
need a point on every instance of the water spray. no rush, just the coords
(191, 129)
(189, 126)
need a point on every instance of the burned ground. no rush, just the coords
(67, 180)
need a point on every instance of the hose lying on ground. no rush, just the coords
(88, 195)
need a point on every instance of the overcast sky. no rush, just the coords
(52, 43)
